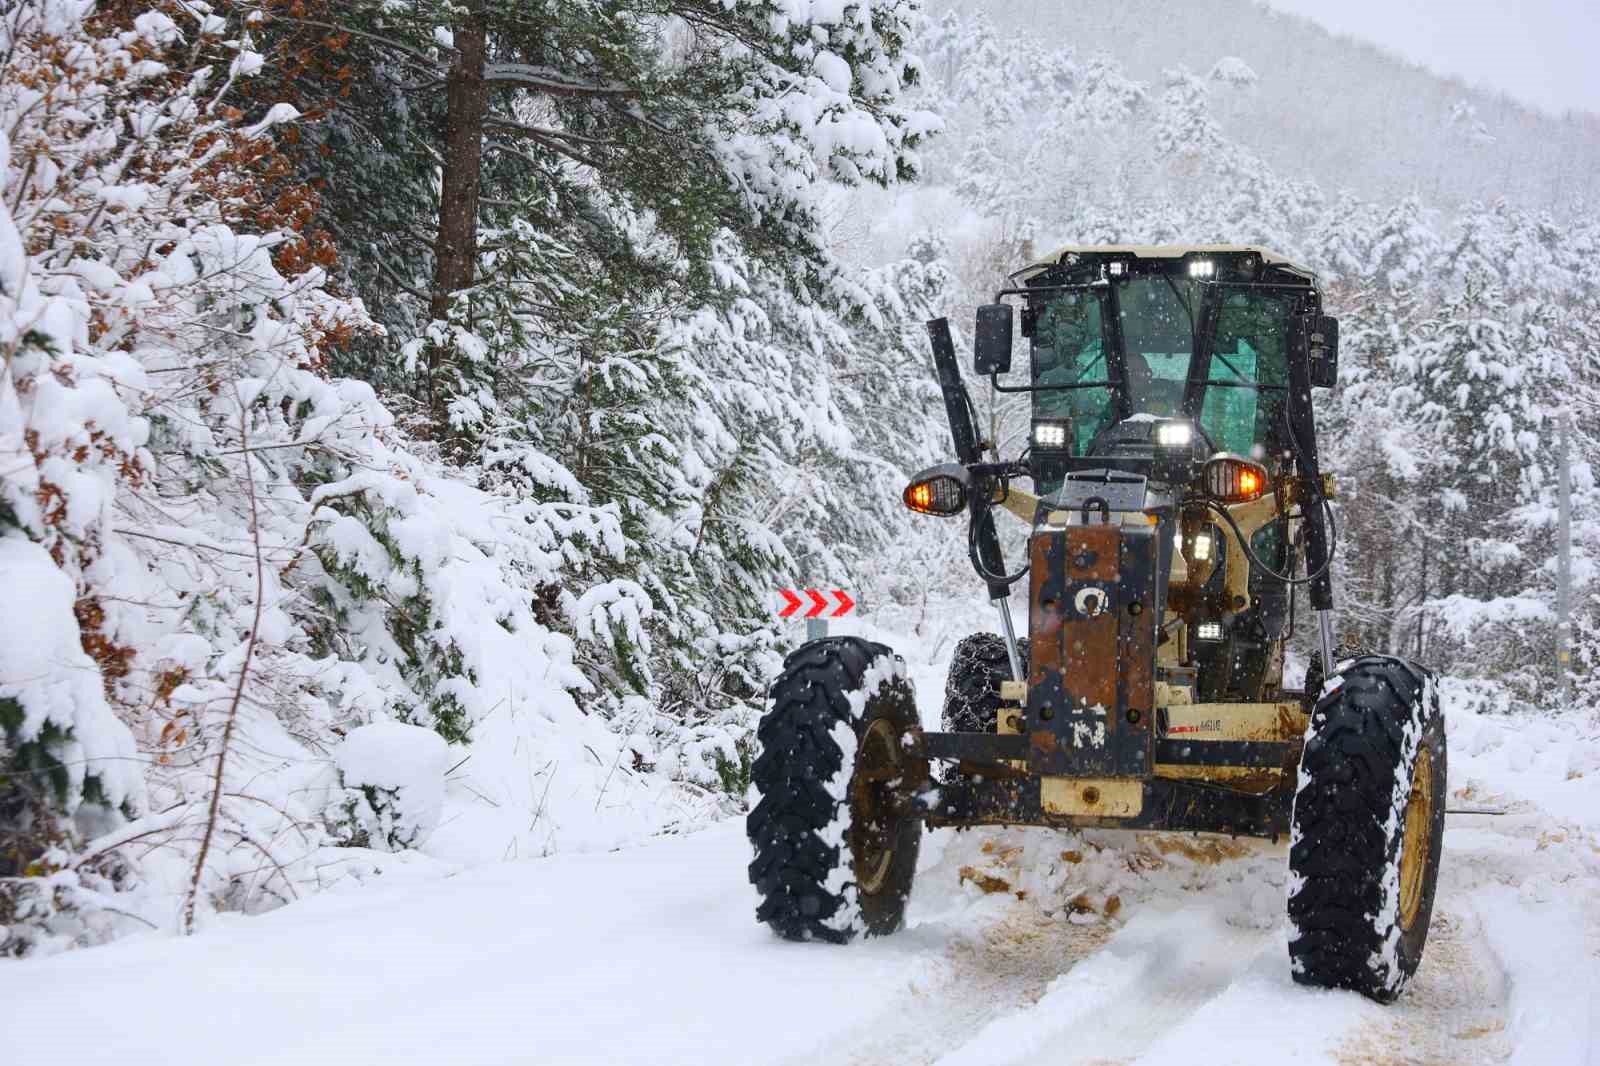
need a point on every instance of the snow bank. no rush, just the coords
(55, 688)
(397, 772)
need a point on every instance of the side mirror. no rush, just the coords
(991, 349)
(1322, 351)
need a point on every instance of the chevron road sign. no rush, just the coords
(792, 603)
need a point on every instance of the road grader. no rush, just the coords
(1179, 529)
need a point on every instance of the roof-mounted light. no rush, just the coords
(1202, 268)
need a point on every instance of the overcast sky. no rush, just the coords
(1543, 52)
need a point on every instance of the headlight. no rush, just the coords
(1051, 436)
(1202, 268)
(1174, 434)
(1209, 631)
(1175, 459)
(940, 491)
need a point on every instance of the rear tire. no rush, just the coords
(972, 689)
(1368, 829)
(834, 856)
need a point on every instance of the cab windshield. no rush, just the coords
(1236, 399)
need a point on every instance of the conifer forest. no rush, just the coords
(411, 410)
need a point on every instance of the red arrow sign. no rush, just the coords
(819, 603)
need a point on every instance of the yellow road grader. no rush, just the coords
(1179, 532)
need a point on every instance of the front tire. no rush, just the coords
(1368, 829)
(835, 853)
(972, 689)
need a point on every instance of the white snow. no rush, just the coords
(556, 904)
(1022, 946)
(57, 684)
(406, 759)
(1233, 71)
(836, 834)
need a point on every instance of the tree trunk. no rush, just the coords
(1422, 610)
(467, 99)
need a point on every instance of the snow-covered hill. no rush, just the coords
(1331, 109)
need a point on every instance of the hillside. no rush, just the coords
(1330, 108)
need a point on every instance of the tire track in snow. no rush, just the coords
(1175, 982)
(1196, 952)
(1453, 1013)
(992, 958)
(980, 976)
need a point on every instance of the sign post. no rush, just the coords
(1564, 563)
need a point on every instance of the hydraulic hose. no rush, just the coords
(1255, 560)
(982, 539)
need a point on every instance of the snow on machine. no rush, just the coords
(1177, 494)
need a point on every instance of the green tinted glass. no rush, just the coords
(1267, 544)
(1249, 350)
(1069, 346)
(1158, 337)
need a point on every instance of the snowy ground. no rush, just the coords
(1022, 947)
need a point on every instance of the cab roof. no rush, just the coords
(1157, 251)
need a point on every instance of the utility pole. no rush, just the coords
(1564, 562)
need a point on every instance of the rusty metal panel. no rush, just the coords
(1092, 552)
(1047, 556)
(1091, 693)
(1139, 592)
(1090, 659)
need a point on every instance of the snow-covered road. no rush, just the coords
(1023, 947)
(651, 956)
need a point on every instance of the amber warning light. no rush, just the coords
(941, 494)
(1233, 479)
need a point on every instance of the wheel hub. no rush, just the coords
(1418, 831)
(872, 837)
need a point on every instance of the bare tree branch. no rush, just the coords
(541, 132)
(550, 81)
(193, 894)
(427, 62)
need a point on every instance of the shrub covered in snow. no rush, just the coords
(393, 781)
(256, 558)
(68, 766)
